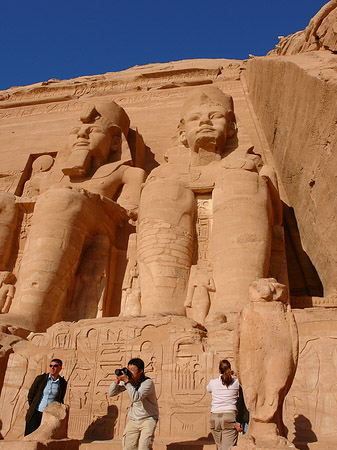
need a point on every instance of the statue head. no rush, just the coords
(98, 133)
(268, 290)
(207, 120)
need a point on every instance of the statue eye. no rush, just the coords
(193, 117)
(216, 115)
(96, 130)
(75, 130)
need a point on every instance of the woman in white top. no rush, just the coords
(225, 392)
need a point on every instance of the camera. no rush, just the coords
(125, 371)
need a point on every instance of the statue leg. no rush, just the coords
(241, 238)
(8, 225)
(165, 245)
(64, 219)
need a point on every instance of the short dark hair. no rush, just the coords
(58, 361)
(139, 363)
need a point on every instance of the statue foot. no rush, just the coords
(215, 319)
(15, 325)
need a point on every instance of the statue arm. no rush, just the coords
(132, 179)
(9, 298)
(189, 296)
(211, 285)
(268, 174)
(293, 334)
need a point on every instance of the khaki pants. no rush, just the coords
(223, 429)
(139, 434)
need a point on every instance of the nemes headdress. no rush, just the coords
(108, 113)
(208, 94)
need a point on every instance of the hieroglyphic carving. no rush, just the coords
(204, 222)
(189, 372)
(153, 355)
(14, 400)
(131, 295)
(183, 424)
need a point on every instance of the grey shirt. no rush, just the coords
(143, 400)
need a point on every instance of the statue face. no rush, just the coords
(206, 127)
(91, 137)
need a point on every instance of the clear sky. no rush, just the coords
(43, 39)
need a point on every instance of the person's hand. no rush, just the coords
(238, 427)
(124, 378)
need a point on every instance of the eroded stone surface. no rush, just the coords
(320, 34)
(266, 350)
(54, 424)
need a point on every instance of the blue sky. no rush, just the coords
(43, 39)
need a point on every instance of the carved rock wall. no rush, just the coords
(181, 358)
(293, 98)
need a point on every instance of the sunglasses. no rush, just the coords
(53, 365)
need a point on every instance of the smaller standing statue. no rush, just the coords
(266, 352)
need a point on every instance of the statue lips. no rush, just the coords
(205, 128)
(81, 143)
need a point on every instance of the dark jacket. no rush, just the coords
(243, 414)
(36, 391)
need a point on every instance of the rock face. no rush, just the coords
(137, 208)
(320, 34)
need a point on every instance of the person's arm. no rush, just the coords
(209, 387)
(63, 388)
(33, 389)
(116, 388)
(144, 390)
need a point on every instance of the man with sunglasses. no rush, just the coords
(46, 388)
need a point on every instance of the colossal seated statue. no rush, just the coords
(68, 252)
(209, 213)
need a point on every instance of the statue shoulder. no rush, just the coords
(110, 168)
(243, 158)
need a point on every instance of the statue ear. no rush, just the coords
(115, 143)
(231, 127)
(182, 134)
(183, 139)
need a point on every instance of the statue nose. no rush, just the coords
(205, 119)
(83, 132)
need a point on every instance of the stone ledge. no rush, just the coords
(61, 444)
(158, 445)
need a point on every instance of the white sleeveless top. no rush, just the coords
(223, 398)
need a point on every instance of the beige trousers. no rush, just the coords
(139, 434)
(223, 429)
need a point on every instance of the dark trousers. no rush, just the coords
(34, 422)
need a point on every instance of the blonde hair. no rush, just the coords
(226, 372)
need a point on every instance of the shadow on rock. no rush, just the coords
(303, 432)
(198, 444)
(102, 428)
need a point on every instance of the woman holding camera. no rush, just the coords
(225, 392)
